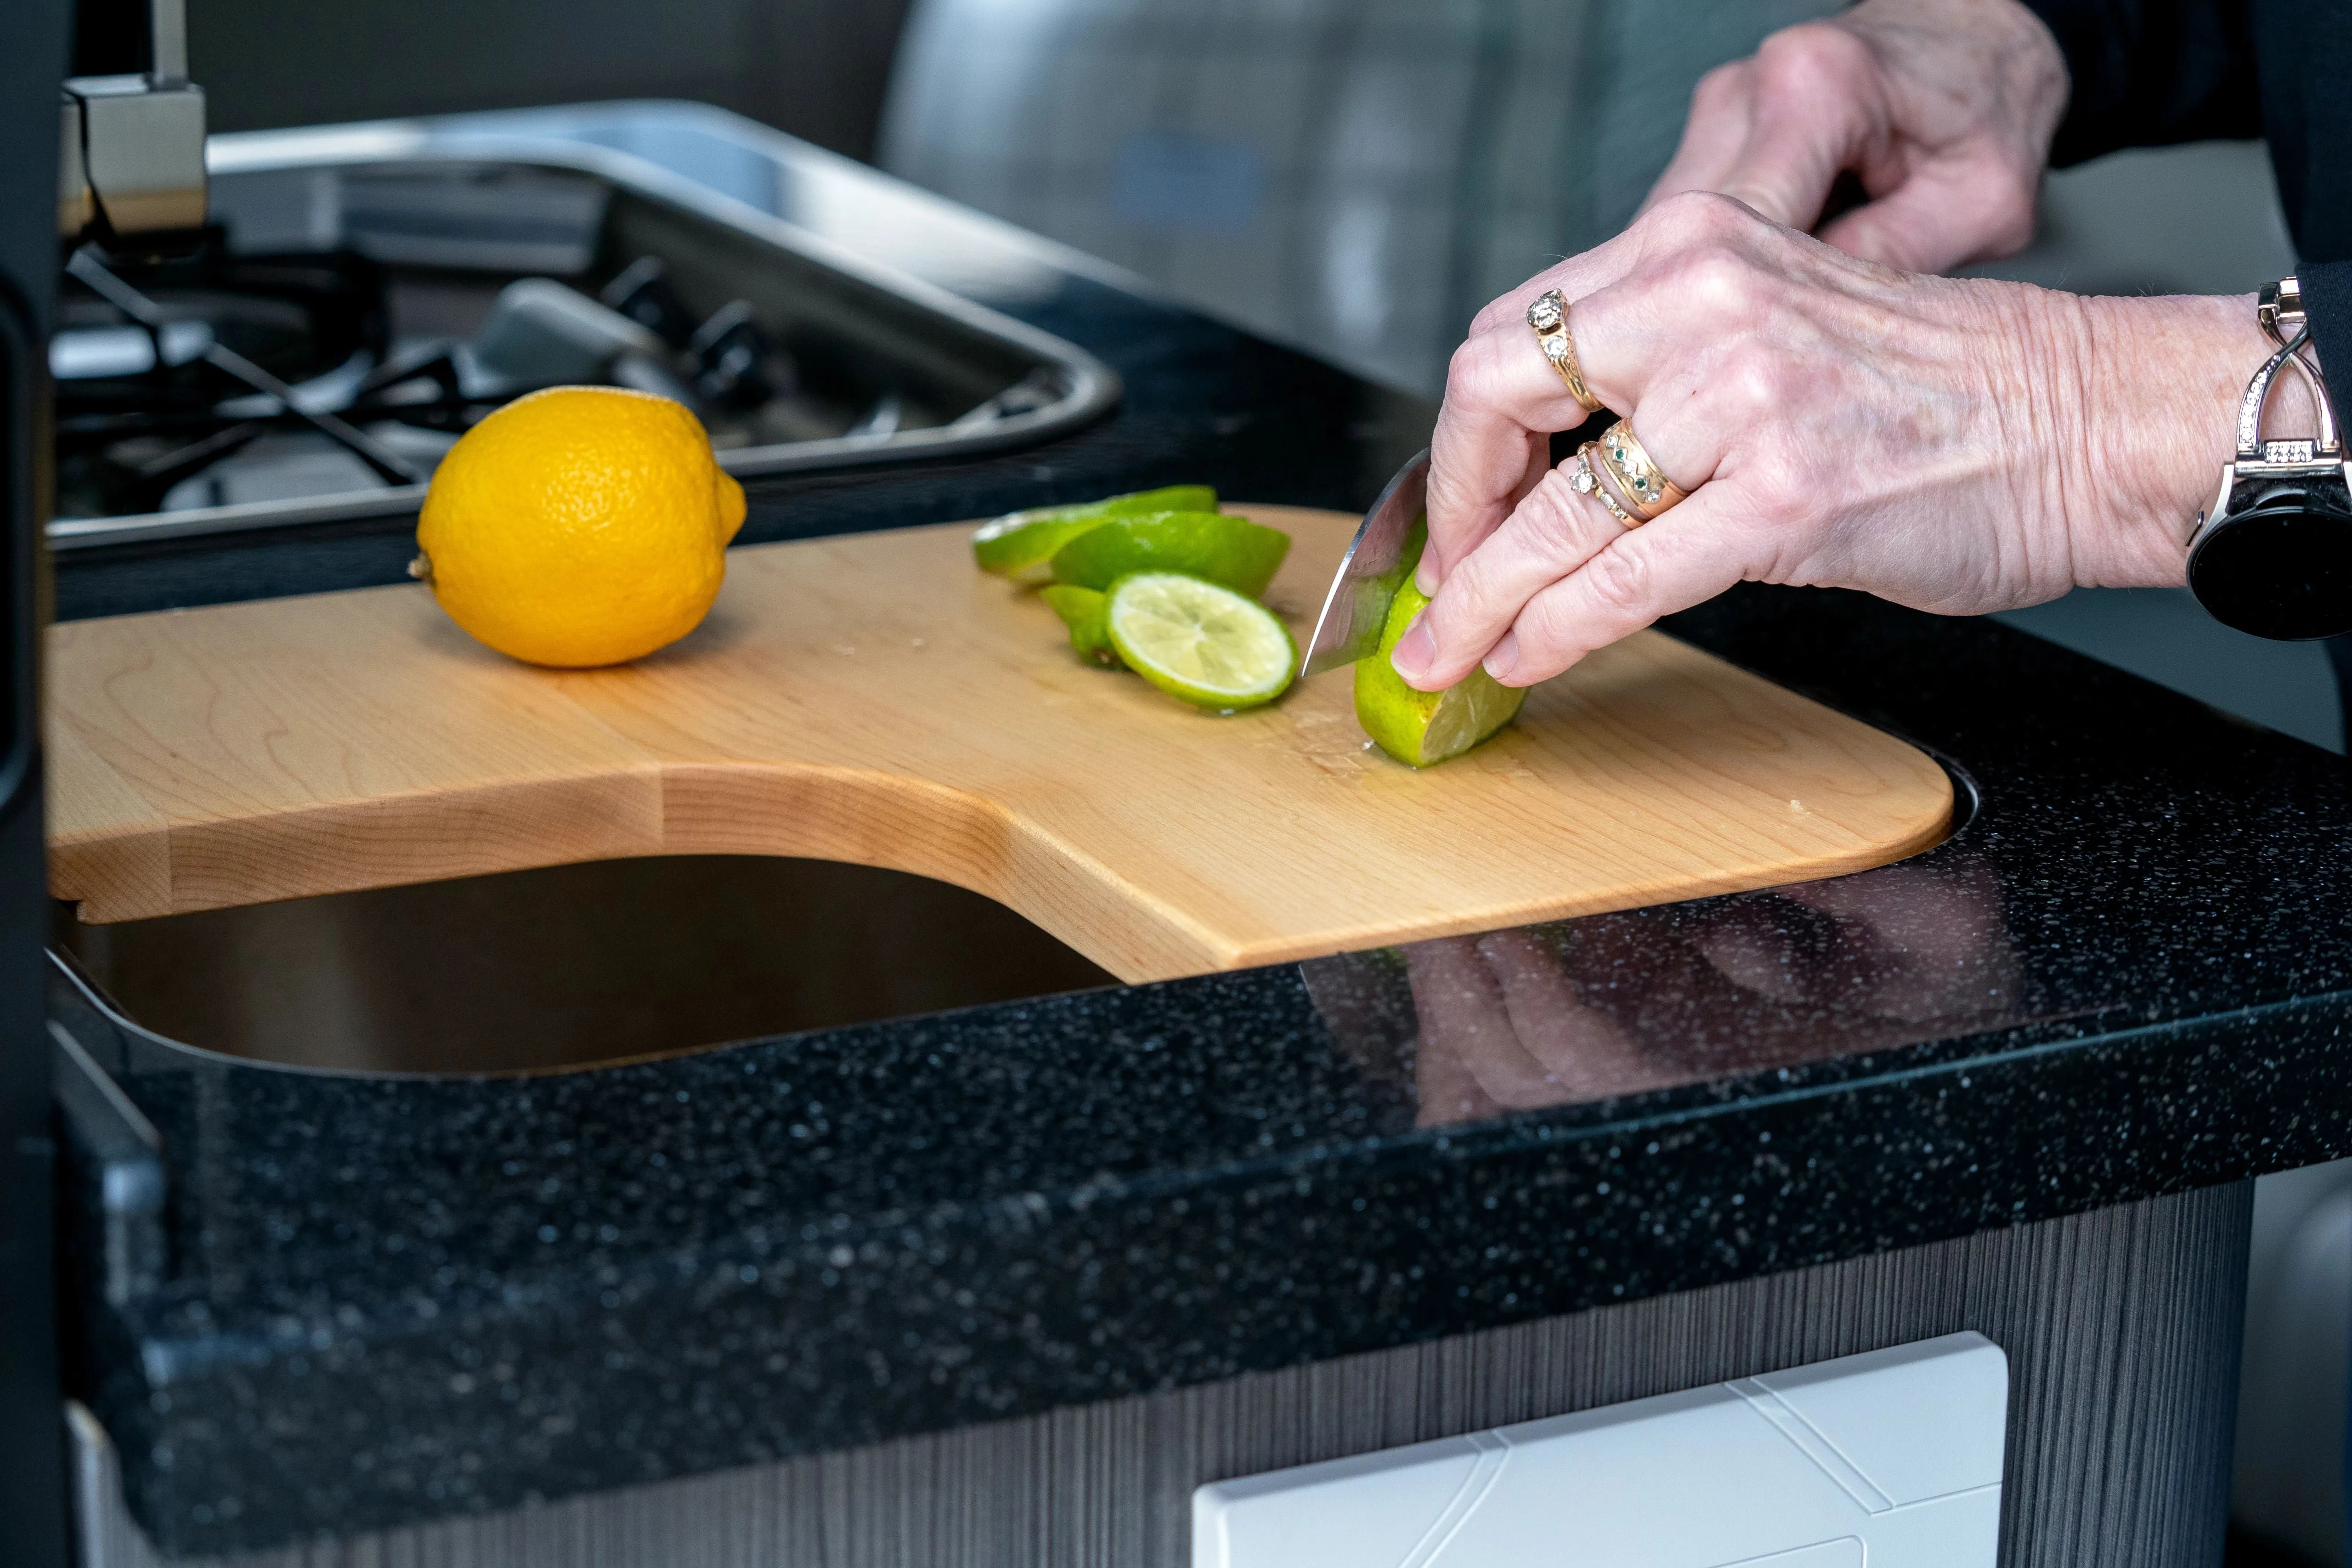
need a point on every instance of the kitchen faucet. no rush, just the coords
(131, 164)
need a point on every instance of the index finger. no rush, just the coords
(1499, 391)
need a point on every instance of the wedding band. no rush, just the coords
(1645, 484)
(1548, 316)
(1586, 481)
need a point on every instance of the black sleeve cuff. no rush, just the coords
(2328, 306)
(2148, 73)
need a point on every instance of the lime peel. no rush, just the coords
(1232, 552)
(1083, 611)
(1019, 543)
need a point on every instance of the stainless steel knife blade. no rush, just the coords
(1358, 605)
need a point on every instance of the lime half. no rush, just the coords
(1196, 640)
(1422, 728)
(1231, 551)
(1019, 543)
(1081, 610)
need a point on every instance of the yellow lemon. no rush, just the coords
(580, 525)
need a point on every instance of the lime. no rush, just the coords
(1019, 543)
(1081, 610)
(1426, 727)
(1196, 640)
(1231, 551)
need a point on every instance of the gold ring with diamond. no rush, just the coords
(1587, 481)
(1548, 316)
(1638, 475)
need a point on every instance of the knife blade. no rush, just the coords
(1356, 607)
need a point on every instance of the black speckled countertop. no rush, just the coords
(381, 1300)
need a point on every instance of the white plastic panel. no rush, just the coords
(1842, 1553)
(1873, 1421)
(1891, 1459)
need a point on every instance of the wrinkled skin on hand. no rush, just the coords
(1943, 110)
(1959, 446)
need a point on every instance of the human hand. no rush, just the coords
(1943, 108)
(1957, 446)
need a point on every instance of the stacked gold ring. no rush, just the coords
(1548, 314)
(1639, 478)
(1586, 481)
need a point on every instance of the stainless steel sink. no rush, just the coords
(568, 966)
(365, 265)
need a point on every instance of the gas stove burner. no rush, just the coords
(174, 383)
(189, 375)
(344, 324)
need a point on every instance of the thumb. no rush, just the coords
(1939, 217)
(1818, 111)
(1790, 161)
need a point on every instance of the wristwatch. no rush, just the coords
(2274, 554)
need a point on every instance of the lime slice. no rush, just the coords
(1081, 610)
(1422, 728)
(1019, 543)
(1232, 550)
(1205, 644)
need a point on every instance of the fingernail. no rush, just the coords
(1424, 576)
(1505, 657)
(1413, 651)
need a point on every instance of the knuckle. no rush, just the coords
(1447, 498)
(1717, 283)
(1781, 488)
(1722, 88)
(1809, 56)
(1695, 220)
(1619, 580)
(1463, 362)
(1757, 379)
(1546, 633)
(1469, 372)
(1554, 513)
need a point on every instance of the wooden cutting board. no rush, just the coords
(872, 698)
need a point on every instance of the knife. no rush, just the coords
(1370, 574)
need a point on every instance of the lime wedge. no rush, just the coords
(1168, 497)
(1081, 610)
(1196, 640)
(1422, 728)
(1231, 551)
(1019, 543)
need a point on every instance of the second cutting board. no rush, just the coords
(873, 699)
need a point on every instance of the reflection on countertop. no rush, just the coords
(1554, 1014)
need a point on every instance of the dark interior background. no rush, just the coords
(813, 67)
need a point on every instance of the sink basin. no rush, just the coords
(569, 965)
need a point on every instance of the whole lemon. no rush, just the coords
(580, 525)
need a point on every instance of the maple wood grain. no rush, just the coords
(873, 699)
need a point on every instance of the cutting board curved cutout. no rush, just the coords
(872, 699)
